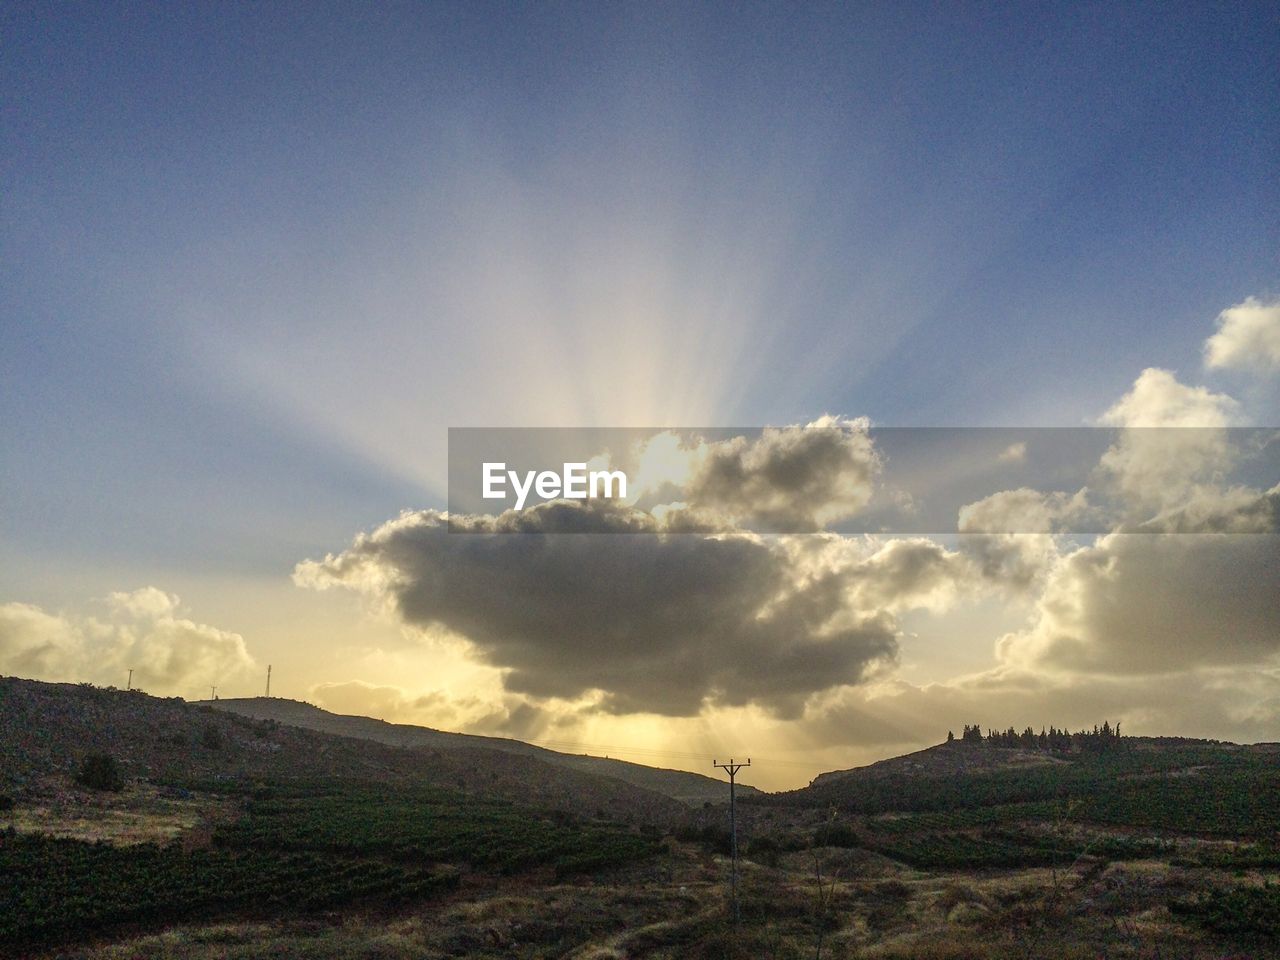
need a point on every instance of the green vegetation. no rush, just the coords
(1111, 806)
(1206, 790)
(297, 847)
(1052, 739)
(66, 887)
(427, 825)
(238, 838)
(1251, 914)
(100, 772)
(211, 738)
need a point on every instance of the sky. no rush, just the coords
(255, 260)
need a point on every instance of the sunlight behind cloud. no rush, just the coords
(537, 307)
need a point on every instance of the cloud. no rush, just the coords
(38, 644)
(147, 602)
(357, 698)
(167, 653)
(663, 623)
(1174, 441)
(1014, 453)
(702, 618)
(505, 716)
(1248, 337)
(1157, 399)
(1156, 603)
(1241, 703)
(1021, 511)
(908, 573)
(1234, 509)
(1185, 579)
(793, 479)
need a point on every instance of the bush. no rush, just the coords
(835, 835)
(212, 738)
(1251, 914)
(764, 850)
(6, 802)
(100, 772)
(713, 838)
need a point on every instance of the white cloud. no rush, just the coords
(1014, 453)
(1157, 399)
(1184, 581)
(1156, 603)
(146, 602)
(1021, 511)
(167, 653)
(37, 644)
(1248, 337)
(1174, 441)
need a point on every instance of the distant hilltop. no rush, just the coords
(691, 788)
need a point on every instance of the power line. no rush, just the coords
(732, 769)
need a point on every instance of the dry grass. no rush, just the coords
(138, 814)
(678, 910)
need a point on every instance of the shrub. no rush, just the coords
(6, 802)
(1251, 914)
(835, 835)
(764, 850)
(714, 838)
(100, 772)
(212, 738)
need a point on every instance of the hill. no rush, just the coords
(690, 788)
(1195, 787)
(943, 759)
(46, 729)
(245, 836)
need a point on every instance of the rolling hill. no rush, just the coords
(691, 788)
(46, 729)
(943, 759)
(283, 838)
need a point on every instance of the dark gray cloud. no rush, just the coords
(662, 623)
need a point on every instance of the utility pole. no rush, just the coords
(213, 693)
(129, 685)
(732, 768)
(268, 681)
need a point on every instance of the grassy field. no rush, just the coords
(293, 848)
(334, 870)
(1144, 851)
(818, 904)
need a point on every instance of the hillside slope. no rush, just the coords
(1201, 786)
(46, 729)
(943, 759)
(681, 785)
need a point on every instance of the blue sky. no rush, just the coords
(257, 258)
